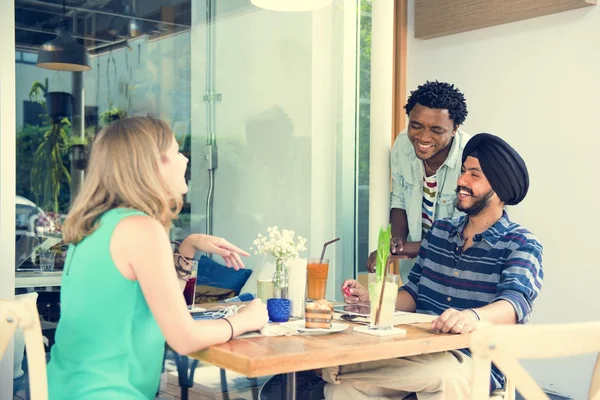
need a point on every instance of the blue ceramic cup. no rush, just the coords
(278, 309)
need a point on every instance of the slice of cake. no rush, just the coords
(318, 314)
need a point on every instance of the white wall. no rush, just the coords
(536, 84)
(382, 61)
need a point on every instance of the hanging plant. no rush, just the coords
(48, 172)
(112, 114)
(38, 92)
(80, 148)
(58, 105)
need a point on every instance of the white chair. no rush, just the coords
(505, 344)
(23, 314)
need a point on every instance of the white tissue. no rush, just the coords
(297, 286)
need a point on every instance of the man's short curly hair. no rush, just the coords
(440, 95)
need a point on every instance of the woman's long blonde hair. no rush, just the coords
(123, 171)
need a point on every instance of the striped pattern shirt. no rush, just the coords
(429, 193)
(504, 263)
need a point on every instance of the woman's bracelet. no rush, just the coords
(231, 326)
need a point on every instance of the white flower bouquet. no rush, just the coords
(285, 246)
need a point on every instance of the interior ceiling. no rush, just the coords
(98, 24)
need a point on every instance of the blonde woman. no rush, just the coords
(121, 297)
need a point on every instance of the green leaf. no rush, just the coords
(383, 249)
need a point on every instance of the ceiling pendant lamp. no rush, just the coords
(63, 53)
(291, 5)
(130, 29)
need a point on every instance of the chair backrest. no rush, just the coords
(23, 314)
(504, 344)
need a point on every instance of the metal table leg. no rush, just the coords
(289, 387)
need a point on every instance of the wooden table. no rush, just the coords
(260, 356)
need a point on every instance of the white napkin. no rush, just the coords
(271, 330)
(278, 330)
(297, 286)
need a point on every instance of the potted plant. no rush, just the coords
(58, 105)
(284, 246)
(80, 148)
(112, 114)
(38, 91)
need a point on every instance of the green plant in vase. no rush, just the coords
(382, 291)
(284, 246)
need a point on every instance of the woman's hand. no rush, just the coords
(213, 244)
(252, 317)
(354, 292)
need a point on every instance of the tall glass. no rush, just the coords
(190, 286)
(46, 260)
(316, 278)
(264, 289)
(388, 303)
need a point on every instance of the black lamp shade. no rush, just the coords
(63, 54)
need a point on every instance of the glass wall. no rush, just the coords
(271, 108)
(363, 134)
(277, 86)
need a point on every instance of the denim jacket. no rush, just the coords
(407, 186)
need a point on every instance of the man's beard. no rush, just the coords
(480, 202)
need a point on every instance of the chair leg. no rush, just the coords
(224, 388)
(255, 388)
(163, 368)
(185, 374)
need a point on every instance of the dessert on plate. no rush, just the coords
(318, 314)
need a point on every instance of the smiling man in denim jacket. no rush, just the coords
(425, 164)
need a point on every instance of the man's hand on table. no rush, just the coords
(354, 292)
(454, 321)
(253, 317)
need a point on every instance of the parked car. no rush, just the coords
(27, 215)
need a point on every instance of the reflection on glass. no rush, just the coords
(264, 89)
(364, 134)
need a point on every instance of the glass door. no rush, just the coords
(274, 101)
(270, 107)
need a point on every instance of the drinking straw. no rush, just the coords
(324, 247)
(383, 281)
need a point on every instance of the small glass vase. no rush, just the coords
(281, 279)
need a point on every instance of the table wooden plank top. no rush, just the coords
(260, 356)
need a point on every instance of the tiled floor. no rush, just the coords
(207, 385)
(170, 391)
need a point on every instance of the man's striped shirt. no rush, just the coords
(504, 263)
(429, 193)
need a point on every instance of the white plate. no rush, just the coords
(299, 325)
